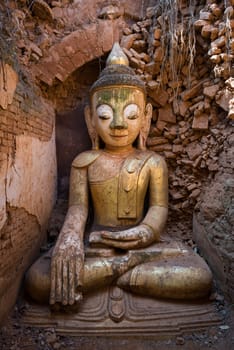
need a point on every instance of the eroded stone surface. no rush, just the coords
(3, 177)
(213, 221)
(8, 82)
(34, 190)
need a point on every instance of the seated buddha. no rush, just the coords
(126, 187)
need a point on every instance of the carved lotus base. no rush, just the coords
(115, 312)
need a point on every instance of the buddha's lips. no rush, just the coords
(118, 135)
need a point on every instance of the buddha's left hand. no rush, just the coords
(136, 237)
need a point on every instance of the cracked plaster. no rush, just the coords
(24, 184)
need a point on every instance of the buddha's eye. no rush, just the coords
(104, 112)
(132, 111)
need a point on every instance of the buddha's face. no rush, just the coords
(118, 113)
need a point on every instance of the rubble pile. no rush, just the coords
(36, 29)
(191, 91)
(216, 32)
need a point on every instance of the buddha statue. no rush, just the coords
(125, 185)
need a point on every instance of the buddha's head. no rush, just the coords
(119, 114)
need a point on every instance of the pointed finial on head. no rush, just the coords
(117, 56)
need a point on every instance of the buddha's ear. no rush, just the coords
(91, 128)
(145, 127)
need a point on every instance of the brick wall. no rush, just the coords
(19, 241)
(27, 143)
(26, 115)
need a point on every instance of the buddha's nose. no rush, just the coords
(118, 122)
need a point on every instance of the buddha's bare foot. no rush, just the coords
(174, 278)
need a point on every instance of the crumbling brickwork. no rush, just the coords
(26, 115)
(19, 241)
(26, 142)
(184, 54)
(22, 231)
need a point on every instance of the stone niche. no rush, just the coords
(71, 132)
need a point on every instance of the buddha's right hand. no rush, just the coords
(67, 268)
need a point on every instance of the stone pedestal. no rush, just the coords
(113, 312)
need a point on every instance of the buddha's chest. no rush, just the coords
(104, 168)
(119, 186)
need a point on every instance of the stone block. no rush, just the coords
(127, 41)
(206, 30)
(159, 96)
(158, 54)
(193, 150)
(177, 148)
(216, 10)
(200, 122)
(152, 84)
(152, 68)
(162, 148)
(144, 57)
(223, 98)
(134, 62)
(35, 49)
(195, 193)
(176, 194)
(160, 125)
(215, 59)
(166, 114)
(169, 155)
(210, 91)
(214, 33)
(139, 45)
(219, 42)
(183, 107)
(214, 51)
(200, 23)
(190, 93)
(206, 16)
(154, 141)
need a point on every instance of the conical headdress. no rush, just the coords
(117, 72)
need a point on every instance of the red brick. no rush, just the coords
(200, 122)
(166, 114)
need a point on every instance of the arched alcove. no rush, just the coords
(71, 132)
